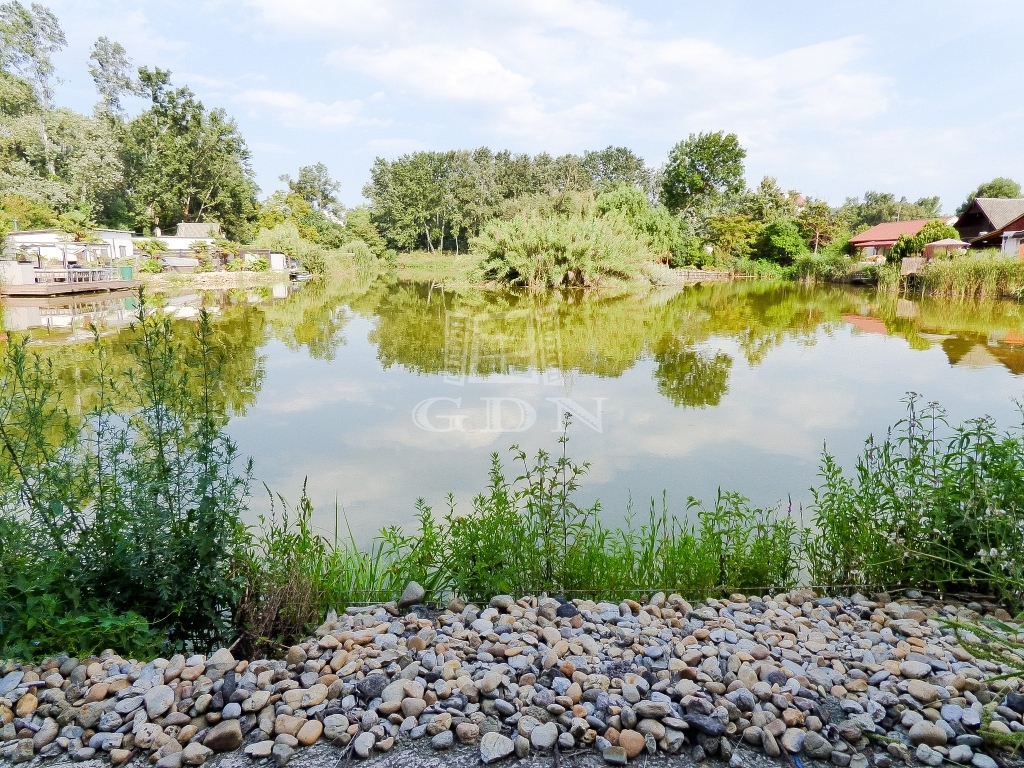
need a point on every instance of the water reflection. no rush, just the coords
(733, 385)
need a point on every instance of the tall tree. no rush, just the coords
(998, 187)
(702, 169)
(28, 40)
(315, 185)
(879, 207)
(612, 166)
(819, 224)
(185, 163)
(110, 68)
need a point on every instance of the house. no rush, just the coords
(186, 235)
(985, 220)
(994, 223)
(57, 247)
(876, 242)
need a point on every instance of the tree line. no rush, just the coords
(177, 160)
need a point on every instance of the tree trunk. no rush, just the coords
(44, 136)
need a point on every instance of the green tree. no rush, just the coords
(998, 187)
(937, 230)
(733, 237)
(819, 224)
(110, 69)
(613, 166)
(185, 163)
(315, 185)
(879, 207)
(781, 242)
(702, 169)
(28, 40)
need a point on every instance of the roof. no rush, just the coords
(198, 229)
(950, 241)
(1000, 211)
(888, 231)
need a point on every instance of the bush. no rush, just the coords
(151, 266)
(538, 251)
(929, 506)
(360, 251)
(781, 242)
(128, 521)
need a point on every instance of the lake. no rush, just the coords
(376, 393)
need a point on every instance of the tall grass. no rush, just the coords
(987, 274)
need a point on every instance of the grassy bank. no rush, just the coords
(121, 524)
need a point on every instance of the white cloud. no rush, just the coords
(297, 111)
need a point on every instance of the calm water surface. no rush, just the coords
(377, 394)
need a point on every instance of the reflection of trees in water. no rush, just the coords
(691, 377)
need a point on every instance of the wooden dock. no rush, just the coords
(70, 280)
(65, 289)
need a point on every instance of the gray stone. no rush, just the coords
(10, 681)
(412, 595)
(817, 746)
(282, 753)
(363, 744)
(928, 756)
(443, 740)
(926, 732)
(46, 733)
(544, 736)
(494, 747)
(705, 724)
(614, 756)
(23, 751)
(981, 760)
(961, 753)
(372, 686)
(158, 700)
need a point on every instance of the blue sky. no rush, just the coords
(916, 98)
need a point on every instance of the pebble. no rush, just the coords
(494, 746)
(788, 673)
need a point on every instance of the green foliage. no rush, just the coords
(928, 506)
(937, 230)
(781, 242)
(733, 237)
(666, 234)
(702, 169)
(905, 245)
(998, 187)
(151, 266)
(438, 200)
(878, 207)
(975, 274)
(545, 251)
(360, 226)
(186, 163)
(135, 510)
(315, 186)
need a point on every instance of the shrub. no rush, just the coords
(130, 511)
(781, 242)
(537, 251)
(927, 506)
(151, 266)
(360, 251)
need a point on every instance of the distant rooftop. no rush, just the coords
(1001, 211)
(888, 231)
(198, 229)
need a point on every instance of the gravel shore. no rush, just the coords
(792, 679)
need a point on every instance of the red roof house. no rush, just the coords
(881, 237)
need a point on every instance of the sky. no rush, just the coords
(832, 99)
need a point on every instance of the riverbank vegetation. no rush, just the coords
(120, 515)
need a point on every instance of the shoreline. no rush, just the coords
(746, 681)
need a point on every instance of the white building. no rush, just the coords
(55, 247)
(185, 236)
